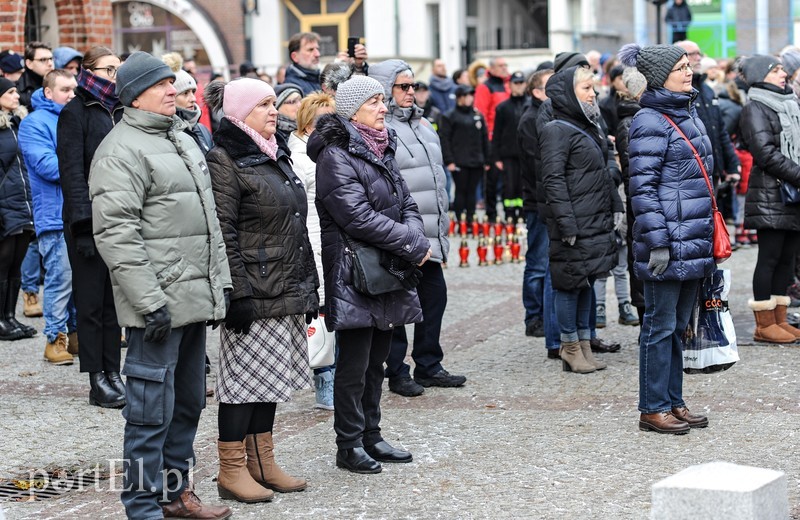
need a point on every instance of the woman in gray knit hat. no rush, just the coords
(672, 233)
(770, 128)
(362, 199)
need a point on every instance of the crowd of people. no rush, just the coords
(147, 201)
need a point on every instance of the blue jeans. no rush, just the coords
(58, 307)
(536, 262)
(30, 268)
(573, 310)
(668, 307)
(552, 337)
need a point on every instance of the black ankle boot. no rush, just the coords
(102, 393)
(8, 331)
(11, 308)
(116, 382)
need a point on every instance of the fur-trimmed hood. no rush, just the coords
(9, 118)
(334, 130)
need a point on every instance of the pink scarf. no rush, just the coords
(377, 140)
(269, 147)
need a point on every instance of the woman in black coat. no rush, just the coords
(82, 125)
(262, 209)
(582, 209)
(770, 130)
(361, 195)
(16, 215)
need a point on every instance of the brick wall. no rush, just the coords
(81, 23)
(230, 20)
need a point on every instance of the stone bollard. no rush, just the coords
(721, 491)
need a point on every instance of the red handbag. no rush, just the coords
(722, 240)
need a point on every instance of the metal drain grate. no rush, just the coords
(43, 485)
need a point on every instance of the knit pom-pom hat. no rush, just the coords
(655, 62)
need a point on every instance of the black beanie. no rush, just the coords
(565, 60)
(756, 67)
(6, 85)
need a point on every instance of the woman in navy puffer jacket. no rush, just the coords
(673, 231)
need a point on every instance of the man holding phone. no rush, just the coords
(304, 53)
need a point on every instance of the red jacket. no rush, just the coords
(490, 94)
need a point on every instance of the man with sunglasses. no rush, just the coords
(419, 157)
(38, 62)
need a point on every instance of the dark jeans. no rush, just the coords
(466, 180)
(427, 352)
(774, 272)
(536, 266)
(99, 332)
(668, 307)
(573, 309)
(357, 386)
(165, 393)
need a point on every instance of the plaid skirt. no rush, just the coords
(266, 364)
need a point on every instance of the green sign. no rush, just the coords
(705, 6)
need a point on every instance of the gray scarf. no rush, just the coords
(789, 113)
(591, 111)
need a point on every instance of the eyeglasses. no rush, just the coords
(291, 101)
(43, 60)
(697, 54)
(110, 70)
(405, 86)
(683, 68)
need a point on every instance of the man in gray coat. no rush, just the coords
(419, 157)
(155, 225)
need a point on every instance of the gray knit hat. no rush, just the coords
(355, 92)
(655, 62)
(756, 67)
(140, 72)
(791, 62)
(634, 81)
(284, 90)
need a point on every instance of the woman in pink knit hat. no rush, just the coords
(262, 208)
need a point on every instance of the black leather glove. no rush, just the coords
(412, 280)
(311, 316)
(241, 315)
(158, 325)
(84, 244)
(216, 323)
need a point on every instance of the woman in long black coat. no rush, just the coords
(581, 211)
(16, 215)
(361, 195)
(82, 125)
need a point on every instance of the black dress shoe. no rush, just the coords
(552, 353)
(116, 382)
(357, 461)
(441, 378)
(405, 386)
(102, 394)
(385, 452)
(535, 328)
(598, 345)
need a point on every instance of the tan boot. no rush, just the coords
(234, 481)
(31, 306)
(262, 466)
(72, 346)
(781, 308)
(766, 328)
(56, 352)
(586, 350)
(572, 359)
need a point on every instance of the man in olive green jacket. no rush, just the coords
(155, 225)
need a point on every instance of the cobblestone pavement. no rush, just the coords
(521, 440)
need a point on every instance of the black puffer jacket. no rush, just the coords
(27, 84)
(262, 208)
(366, 198)
(16, 208)
(82, 125)
(530, 157)
(707, 104)
(580, 193)
(761, 136)
(626, 109)
(464, 138)
(506, 120)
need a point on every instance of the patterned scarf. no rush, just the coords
(268, 146)
(788, 111)
(100, 88)
(377, 140)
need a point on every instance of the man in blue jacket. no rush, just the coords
(37, 140)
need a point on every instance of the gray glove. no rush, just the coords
(659, 260)
(569, 240)
(618, 219)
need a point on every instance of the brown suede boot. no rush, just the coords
(781, 308)
(234, 481)
(766, 328)
(586, 350)
(572, 359)
(262, 466)
(72, 344)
